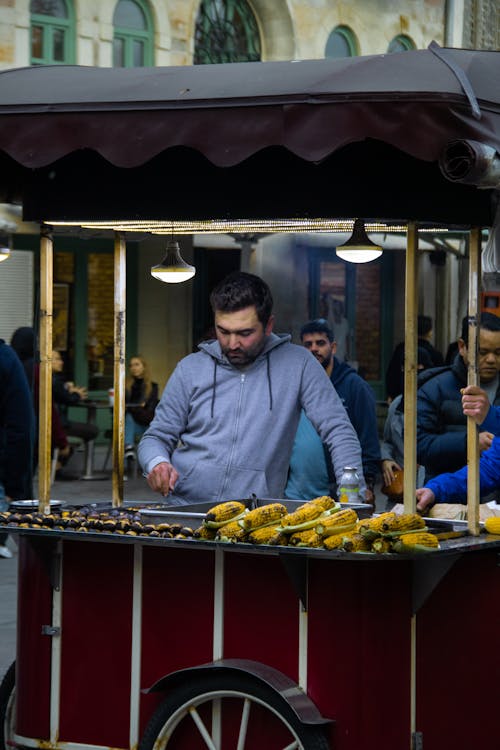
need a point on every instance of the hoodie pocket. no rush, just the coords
(202, 482)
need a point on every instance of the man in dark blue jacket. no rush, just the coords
(310, 473)
(16, 433)
(441, 423)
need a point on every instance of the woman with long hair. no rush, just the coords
(141, 399)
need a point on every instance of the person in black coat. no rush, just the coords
(394, 379)
(17, 422)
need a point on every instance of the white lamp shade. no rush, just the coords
(173, 269)
(359, 248)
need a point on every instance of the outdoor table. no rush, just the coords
(91, 406)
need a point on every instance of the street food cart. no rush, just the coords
(130, 641)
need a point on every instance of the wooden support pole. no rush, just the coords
(45, 385)
(472, 379)
(410, 374)
(119, 368)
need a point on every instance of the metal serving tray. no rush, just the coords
(190, 513)
(28, 505)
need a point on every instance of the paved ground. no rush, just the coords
(77, 492)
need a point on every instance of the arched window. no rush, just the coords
(132, 41)
(52, 32)
(226, 31)
(341, 43)
(400, 43)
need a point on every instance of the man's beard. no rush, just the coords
(242, 358)
(324, 361)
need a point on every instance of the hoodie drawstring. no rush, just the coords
(213, 390)
(269, 382)
(269, 388)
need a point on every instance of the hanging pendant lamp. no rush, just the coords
(173, 269)
(359, 248)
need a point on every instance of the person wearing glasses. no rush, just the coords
(310, 472)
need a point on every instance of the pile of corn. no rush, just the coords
(319, 523)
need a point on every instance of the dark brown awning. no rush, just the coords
(308, 136)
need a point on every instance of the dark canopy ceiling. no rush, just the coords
(360, 136)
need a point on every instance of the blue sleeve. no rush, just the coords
(492, 421)
(452, 488)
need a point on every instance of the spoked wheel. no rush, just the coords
(229, 712)
(7, 703)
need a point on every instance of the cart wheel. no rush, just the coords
(7, 703)
(229, 711)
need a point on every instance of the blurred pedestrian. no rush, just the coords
(16, 434)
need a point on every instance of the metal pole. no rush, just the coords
(472, 379)
(119, 368)
(410, 374)
(45, 383)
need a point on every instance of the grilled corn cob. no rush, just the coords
(403, 522)
(267, 535)
(356, 542)
(305, 516)
(204, 532)
(263, 516)
(223, 513)
(337, 523)
(381, 544)
(416, 542)
(231, 532)
(325, 502)
(372, 527)
(492, 525)
(306, 538)
(335, 541)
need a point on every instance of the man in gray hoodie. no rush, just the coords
(227, 419)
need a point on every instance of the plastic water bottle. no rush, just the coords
(349, 485)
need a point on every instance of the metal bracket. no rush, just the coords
(417, 741)
(50, 630)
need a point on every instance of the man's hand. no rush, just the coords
(162, 478)
(475, 403)
(388, 469)
(485, 441)
(369, 496)
(425, 498)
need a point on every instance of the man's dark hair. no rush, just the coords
(320, 325)
(239, 290)
(424, 325)
(488, 321)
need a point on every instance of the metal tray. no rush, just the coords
(195, 512)
(172, 516)
(27, 505)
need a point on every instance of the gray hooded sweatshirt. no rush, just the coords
(229, 432)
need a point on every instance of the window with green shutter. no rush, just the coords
(341, 43)
(133, 35)
(52, 32)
